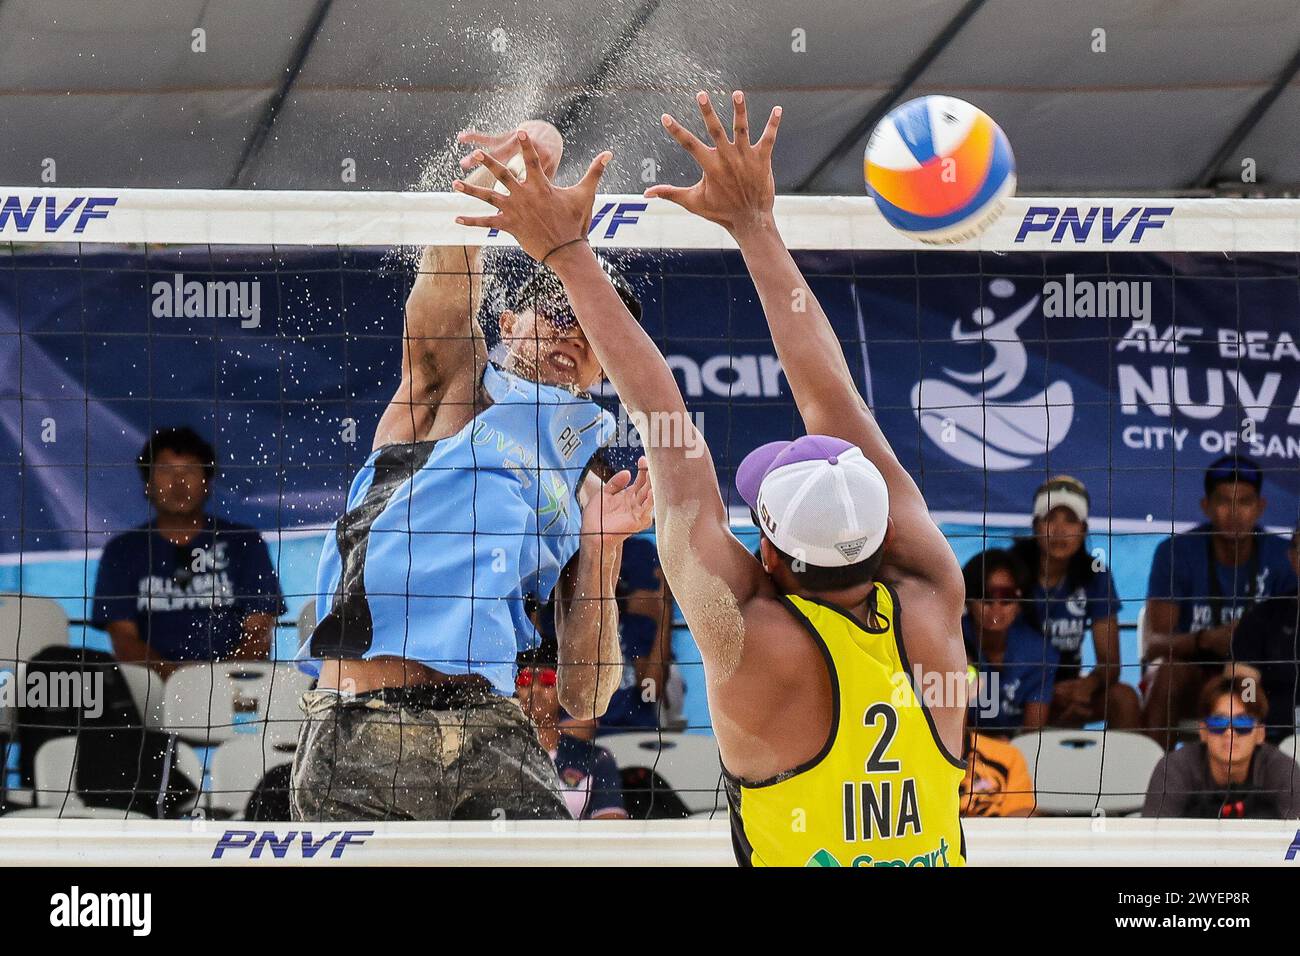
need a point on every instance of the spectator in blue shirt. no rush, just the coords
(1266, 646)
(1072, 592)
(1014, 665)
(1202, 581)
(645, 633)
(645, 636)
(185, 585)
(588, 776)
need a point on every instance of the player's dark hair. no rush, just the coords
(182, 441)
(816, 578)
(1248, 691)
(545, 286)
(977, 570)
(1078, 570)
(1233, 468)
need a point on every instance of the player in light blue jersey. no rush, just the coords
(484, 492)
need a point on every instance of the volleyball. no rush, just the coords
(939, 169)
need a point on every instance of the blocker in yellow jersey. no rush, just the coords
(883, 791)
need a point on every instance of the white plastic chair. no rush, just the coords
(212, 703)
(688, 762)
(1077, 772)
(306, 621)
(76, 812)
(28, 625)
(55, 775)
(1142, 634)
(147, 692)
(240, 764)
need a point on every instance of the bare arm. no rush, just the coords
(443, 349)
(737, 191)
(255, 645)
(130, 648)
(1164, 640)
(590, 665)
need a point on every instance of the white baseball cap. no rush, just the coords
(818, 499)
(1063, 491)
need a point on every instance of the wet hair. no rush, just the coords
(1240, 687)
(977, 570)
(545, 287)
(182, 441)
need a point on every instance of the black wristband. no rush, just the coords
(561, 246)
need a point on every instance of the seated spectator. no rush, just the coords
(1265, 646)
(1015, 666)
(1232, 772)
(650, 682)
(185, 585)
(1202, 581)
(997, 782)
(592, 786)
(645, 633)
(1072, 595)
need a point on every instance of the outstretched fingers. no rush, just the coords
(711, 121)
(532, 161)
(685, 139)
(498, 170)
(487, 222)
(740, 120)
(618, 482)
(591, 178)
(489, 196)
(768, 139)
(675, 194)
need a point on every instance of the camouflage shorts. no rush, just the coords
(367, 758)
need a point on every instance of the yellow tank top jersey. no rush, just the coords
(884, 791)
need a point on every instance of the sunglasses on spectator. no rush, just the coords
(545, 677)
(1002, 595)
(1241, 724)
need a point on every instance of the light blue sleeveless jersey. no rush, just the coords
(443, 542)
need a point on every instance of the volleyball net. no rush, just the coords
(1126, 343)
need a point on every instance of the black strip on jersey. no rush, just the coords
(740, 844)
(347, 631)
(911, 679)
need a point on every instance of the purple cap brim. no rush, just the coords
(754, 466)
(765, 458)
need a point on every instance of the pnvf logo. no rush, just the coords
(307, 845)
(611, 215)
(1111, 224)
(48, 215)
(1294, 848)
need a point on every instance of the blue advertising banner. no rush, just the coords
(989, 372)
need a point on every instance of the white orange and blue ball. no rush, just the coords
(939, 169)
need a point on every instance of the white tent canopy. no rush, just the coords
(1107, 96)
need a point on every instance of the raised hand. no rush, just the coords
(623, 507)
(505, 145)
(736, 189)
(540, 215)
